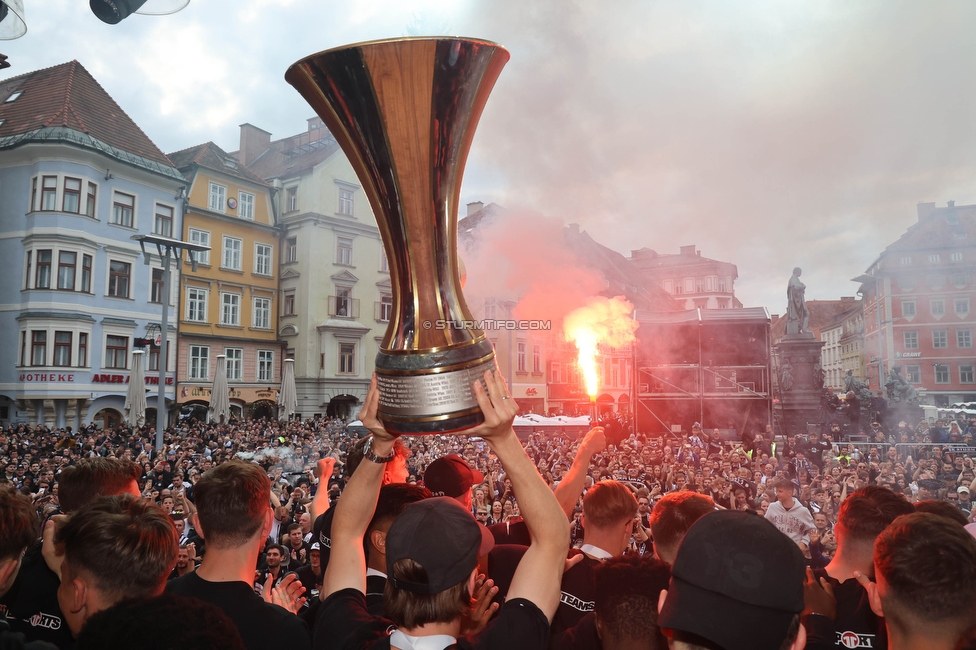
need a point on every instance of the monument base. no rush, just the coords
(800, 382)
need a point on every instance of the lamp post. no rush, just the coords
(167, 248)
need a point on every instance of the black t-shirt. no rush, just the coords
(511, 532)
(10, 640)
(263, 626)
(343, 623)
(375, 585)
(31, 604)
(581, 637)
(856, 623)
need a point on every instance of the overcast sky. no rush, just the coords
(771, 134)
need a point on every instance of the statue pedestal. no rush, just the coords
(799, 382)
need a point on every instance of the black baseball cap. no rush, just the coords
(736, 581)
(441, 536)
(451, 476)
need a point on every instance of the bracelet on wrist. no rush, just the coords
(368, 453)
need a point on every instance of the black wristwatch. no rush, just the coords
(369, 455)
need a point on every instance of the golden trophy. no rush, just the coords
(404, 112)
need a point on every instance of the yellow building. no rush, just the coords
(229, 305)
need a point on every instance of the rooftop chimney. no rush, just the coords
(475, 207)
(254, 142)
(924, 210)
(573, 228)
(951, 204)
(689, 250)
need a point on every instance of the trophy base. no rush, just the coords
(431, 392)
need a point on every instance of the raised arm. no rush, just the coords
(320, 502)
(353, 512)
(569, 488)
(538, 575)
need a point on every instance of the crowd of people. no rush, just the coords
(258, 533)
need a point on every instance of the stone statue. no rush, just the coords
(785, 375)
(797, 314)
(819, 375)
(899, 389)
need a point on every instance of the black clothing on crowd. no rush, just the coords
(583, 636)
(855, 620)
(262, 625)
(374, 595)
(32, 602)
(308, 579)
(511, 532)
(10, 640)
(322, 533)
(343, 623)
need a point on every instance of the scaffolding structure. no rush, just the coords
(710, 366)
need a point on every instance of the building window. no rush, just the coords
(199, 362)
(966, 374)
(232, 253)
(43, 278)
(386, 307)
(291, 249)
(699, 286)
(116, 351)
(156, 287)
(27, 276)
(201, 237)
(964, 338)
(942, 373)
(196, 305)
(347, 358)
(123, 209)
(67, 262)
(265, 365)
(905, 260)
(937, 307)
(218, 196)
(555, 375)
(678, 288)
(911, 339)
(118, 279)
(86, 273)
(343, 302)
(384, 262)
(537, 358)
(956, 257)
(90, 202)
(934, 258)
(913, 374)
(490, 309)
(230, 309)
(288, 303)
(71, 201)
(262, 259)
(245, 206)
(262, 313)
(908, 308)
(291, 199)
(235, 363)
(344, 250)
(521, 363)
(82, 350)
(39, 348)
(962, 306)
(940, 339)
(62, 348)
(163, 223)
(49, 193)
(346, 205)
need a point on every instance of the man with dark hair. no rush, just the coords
(736, 584)
(432, 551)
(295, 547)
(925, 566)
(115, 548)
(18, 532)
(32, 601)
(943, 509)
(837, 612)
(790, 517)
(392, 500)
(234, 517)
(671, 518)
(165, 622)
(627, 593)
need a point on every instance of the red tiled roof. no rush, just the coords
(213, 157)
(942, 227)
(68, 96)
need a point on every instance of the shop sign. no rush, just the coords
(47, 376)
(124, 379)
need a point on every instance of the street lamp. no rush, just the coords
(166, 248)
(115, 11)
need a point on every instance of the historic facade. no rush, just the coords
(79, 179)
(695, 282)
(918, 305)
(336, 298)
(229, 303)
